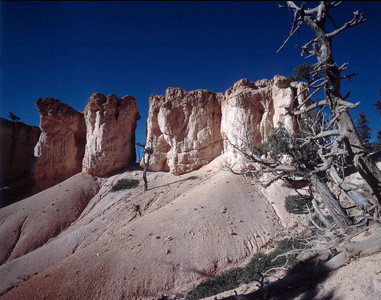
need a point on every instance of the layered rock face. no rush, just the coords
(189, 129)
(111, 124)
(17, 141)
(61, 146)
(184, 129)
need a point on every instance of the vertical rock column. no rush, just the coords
(184, 130)
(189, 129)
(111, 124)
(61, 145)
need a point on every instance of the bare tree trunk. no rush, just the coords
(320, 214)
(146, 165)
(330, 202)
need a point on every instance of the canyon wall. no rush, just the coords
(189, 129)
(17, 142)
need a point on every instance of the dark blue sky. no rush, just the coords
(68, 50)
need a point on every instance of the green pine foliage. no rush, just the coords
(13, 117)
(124, 184)
(362, 126)
(377, 105)
(301, 72)
(297, 204)
(282, 142)
(377, 144)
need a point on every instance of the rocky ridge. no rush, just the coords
(186, 129)
(189, 129)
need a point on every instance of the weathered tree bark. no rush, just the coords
(320, 214)
(281, 171)
(355, 196)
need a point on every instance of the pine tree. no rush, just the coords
(302, 72)
(13, 117)
(362, 126)
(377, 105)
(377, 145)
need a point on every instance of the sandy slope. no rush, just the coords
(29, 224)
(191, 227)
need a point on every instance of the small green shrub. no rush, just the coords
(124, 184)
(252, 271)
(297, 204)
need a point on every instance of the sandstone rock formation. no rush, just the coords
(61, 146)
(189, 129)
(184, 129)
(17, 141)
(251, 109)
(111, 124)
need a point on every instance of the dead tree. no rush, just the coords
(337, 139)
(274, 169)
(327, 76)
(147, 152)
(146, 157)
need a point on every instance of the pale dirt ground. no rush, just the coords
(191, 227)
